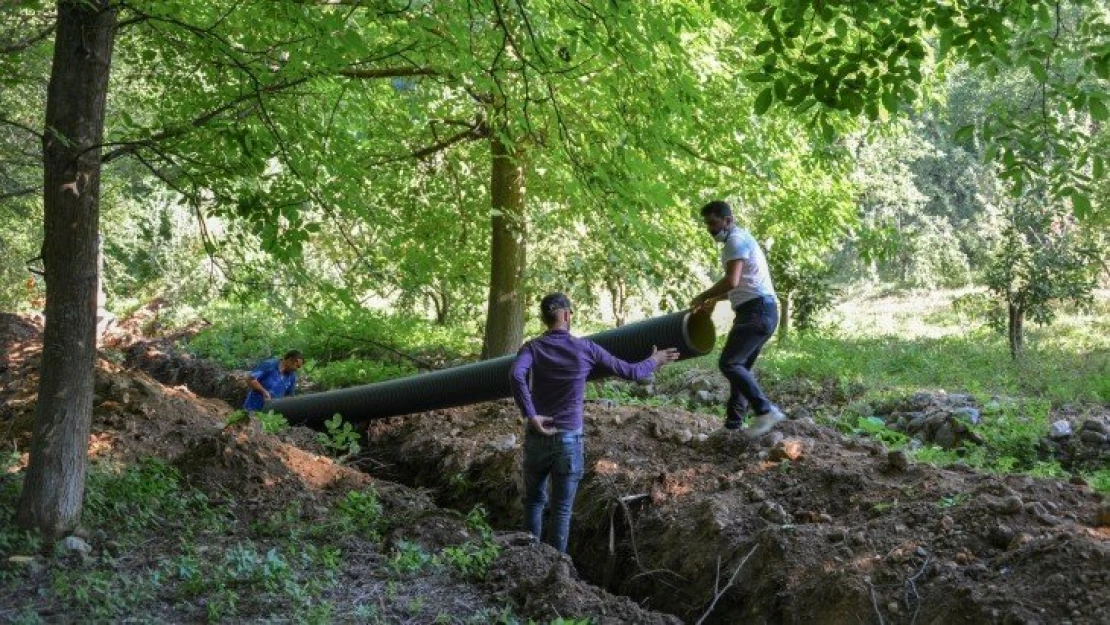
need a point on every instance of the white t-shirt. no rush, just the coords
(755, 277)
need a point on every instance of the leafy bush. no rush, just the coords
(356, 371)
(361, 512)
(409, 558)
(272, 422)
(473, 558)
(341, 439)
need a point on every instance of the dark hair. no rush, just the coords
(552, 304)
(717, 208)
(293, 354)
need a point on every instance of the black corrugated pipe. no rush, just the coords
(692, 334)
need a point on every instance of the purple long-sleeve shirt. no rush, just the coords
(560, 364)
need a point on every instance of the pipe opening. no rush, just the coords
(699, 332)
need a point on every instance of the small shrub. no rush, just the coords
(341, 438)
(272, 422)
(410, 558)
(360, 512)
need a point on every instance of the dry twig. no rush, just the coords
(719, 592)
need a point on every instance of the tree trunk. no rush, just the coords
(441, 301)
(784, 315)
(1015, 330)
(505, 311)
(617, 291)
(55, 482)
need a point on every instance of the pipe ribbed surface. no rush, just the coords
(692, 334)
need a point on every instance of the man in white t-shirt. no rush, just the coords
(750, 293)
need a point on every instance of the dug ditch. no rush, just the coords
(802, 526)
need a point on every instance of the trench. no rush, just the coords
(848, 551)
(621, 543)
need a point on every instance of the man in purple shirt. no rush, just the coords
(558, 365)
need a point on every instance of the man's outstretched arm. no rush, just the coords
(610, 364)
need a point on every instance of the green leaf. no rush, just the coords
(966, 133)
(780, 89)
(1081, 204)
(1098, 109)
(763, 102)
(841, 27)
(1038, 70)
(890, 102)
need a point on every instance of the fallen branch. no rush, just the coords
(719, 592)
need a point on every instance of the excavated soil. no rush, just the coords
(259, 476)
(801, 526)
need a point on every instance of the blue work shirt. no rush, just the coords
(559, 364)
(269, 375)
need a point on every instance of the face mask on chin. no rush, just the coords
(720, 235)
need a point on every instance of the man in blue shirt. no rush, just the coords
(557, 364)
(747, 287)
(273, 379)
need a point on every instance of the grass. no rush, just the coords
(885, 345)
(906, 342)
(165, 552)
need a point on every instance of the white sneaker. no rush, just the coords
(764, 422)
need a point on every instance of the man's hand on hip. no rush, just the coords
(541, 424)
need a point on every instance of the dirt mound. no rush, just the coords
(260, 477)
(17, 330)
(807, 525)
(164, 362)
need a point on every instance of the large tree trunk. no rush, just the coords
(1015, 329)
(55, 483)
(505, 311)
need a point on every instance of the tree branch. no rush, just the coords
(388, 72)
(37, 134)
(478, 131)
(19, 192)
(19, 46)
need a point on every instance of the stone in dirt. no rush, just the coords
(1008, 505)
(1092, 437)
(76, 545)
(971, 415)
(705, 398)
(771, 439)
(1092, 425)
(790, 449)
(775, 513)
(897, 460)
(506, 443)
(1059, 429)
(945, 436)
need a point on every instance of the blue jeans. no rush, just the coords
(756, 320)
(561, 458)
